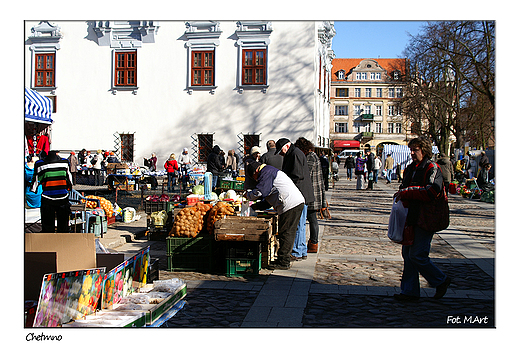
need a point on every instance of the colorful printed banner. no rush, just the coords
(121, 281)
(68, 296)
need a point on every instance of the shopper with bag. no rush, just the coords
(423, 194)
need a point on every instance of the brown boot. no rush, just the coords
(312, 248)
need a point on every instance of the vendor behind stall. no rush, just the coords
(278, 190)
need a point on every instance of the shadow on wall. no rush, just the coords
(286, 109)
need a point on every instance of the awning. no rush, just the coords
(401, 155)
(346, 144)
(37, 107)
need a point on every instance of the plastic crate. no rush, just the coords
(243, 266)
(238, 185)
(190, 262)
(198, 245)
(150, 206)
(226, 184)
(242, 249)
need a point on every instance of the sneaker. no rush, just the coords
(442, 288)
(405, 298)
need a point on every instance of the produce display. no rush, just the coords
(190, 220)
(163, 198)
(217, 212)
(105, 204)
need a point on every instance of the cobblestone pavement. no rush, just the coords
(357, 270)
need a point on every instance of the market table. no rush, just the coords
(123, 181)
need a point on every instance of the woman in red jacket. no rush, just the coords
(172, 169)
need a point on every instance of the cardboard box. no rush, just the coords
(36, 265)
(73, 251)
(109, 260)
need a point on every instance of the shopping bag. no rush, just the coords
(397, 221)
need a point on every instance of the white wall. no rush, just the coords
(162, 113)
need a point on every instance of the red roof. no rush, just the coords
(347, 64)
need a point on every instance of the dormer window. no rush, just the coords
(396, 75)
(341, 75)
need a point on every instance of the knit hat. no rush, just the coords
(255, 149)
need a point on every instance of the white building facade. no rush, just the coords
(139, 87)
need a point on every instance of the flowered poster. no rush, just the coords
(68, 296)
(123, 279)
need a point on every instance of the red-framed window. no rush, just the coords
(203, 68)
(45, 70)
(254, 67)
(125, 68)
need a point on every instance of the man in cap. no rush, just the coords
(56, 180)
(276, 189)
(295, 166)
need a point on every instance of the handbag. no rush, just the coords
(434, 215)
(397, 222)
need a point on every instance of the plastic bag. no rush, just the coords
(169, 286)
(397, 221)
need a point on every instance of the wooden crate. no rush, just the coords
(237, 228)
(269, 250)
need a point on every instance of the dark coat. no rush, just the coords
(350, 162)
(296, 167)
(215, 166)
(370, 162)
(270, 158)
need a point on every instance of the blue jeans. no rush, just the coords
(214, 182)
(300, 245)
(376, 174)
(349, 173)
(389, 175)
(417, 260)
(171, 181)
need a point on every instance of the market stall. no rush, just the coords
(37, 125)
(222, 235)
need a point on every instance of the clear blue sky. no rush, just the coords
(373, 39)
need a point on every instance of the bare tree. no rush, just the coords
(452, 66)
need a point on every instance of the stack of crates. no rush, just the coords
(242, 257)
(190, 254)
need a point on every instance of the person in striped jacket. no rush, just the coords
(53, 174)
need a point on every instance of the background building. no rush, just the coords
(139, 87)
(364, 103)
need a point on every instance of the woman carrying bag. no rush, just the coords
(423, 194)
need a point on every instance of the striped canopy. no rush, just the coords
(401, 155)
(37, 107)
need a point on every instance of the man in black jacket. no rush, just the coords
(295, 166)
(215, 166)
(370, 169)
(270, 158)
